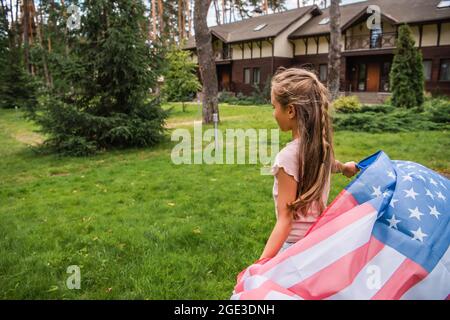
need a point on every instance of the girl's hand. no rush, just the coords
(349, 169)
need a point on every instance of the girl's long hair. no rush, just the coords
(303, 90)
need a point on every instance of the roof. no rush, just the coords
(399, 11)
(243, 30)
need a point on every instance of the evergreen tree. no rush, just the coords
(181, 82)
(110, 72)
(407, 75)
(17, 88)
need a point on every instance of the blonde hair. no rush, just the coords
(303, 90)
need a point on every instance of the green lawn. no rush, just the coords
(141, 227)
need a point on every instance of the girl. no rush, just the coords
(302, 169)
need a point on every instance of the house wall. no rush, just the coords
(445, 34)
(283, 48)
(267, 67)
(265, 51)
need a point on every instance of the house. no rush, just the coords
(248, 52)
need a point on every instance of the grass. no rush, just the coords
(141, 227)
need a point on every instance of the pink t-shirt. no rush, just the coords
(288, 159)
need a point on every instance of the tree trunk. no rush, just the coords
(216, 10)
(26, 39)
(188, 14)
(334, 57)
(180, 20)
(154, 19)
(39, 25)
(224, 16)
(207, 65)
(161, 17)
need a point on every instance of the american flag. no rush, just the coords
(386, 236)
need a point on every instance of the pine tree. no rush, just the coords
(17, 88)
(407, 75)
(110, 73)
(180, 81)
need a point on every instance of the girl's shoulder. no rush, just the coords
(287, 159)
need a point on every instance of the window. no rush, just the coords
(246, 75)
(444, 4)
(362, 77)
(427, 64)
(323, 72)
(384, 79)
(376, 36)
(324, 21)
(256, 75)
(444, 73)
(260, 27)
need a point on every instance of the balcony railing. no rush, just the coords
(224, 54)
(367, 42)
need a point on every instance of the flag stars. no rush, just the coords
(407, 178)
(433, 182)
(440, 195)
(411, 193)
(434, 212)
(385, 194)
(377, 191)
(419, 176)
(415, 213)
(393, 201)
(391, 174)
(419, 235)
(443, 186)
(429, 194)
(393, 222)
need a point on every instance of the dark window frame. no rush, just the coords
(440, 69)
(326, 74)
(431, 69)
(253, 75)
(249, 76)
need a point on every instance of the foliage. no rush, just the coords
(386, 118)
(347, 104)
(108, 75)
(180, 80)
(407, 74)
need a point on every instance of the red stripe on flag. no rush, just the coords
(342, 203)
(261, 292)
(319, 235)
(405, 277)
(339, 274)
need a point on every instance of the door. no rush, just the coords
(373, 77)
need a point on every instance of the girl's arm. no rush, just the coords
(287, 192)
(348, 169)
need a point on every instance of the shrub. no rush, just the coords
(438, 110)
(347, 104)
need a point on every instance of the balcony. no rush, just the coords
(224, 54)
(374, 41)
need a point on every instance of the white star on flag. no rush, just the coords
(393, 222)
(443, 186)
(393, 201)
(411, 194)
(440, 195)
(433, 182)
(419, 235)
(429, 194)
(385, 194)
(391, 174)
(434, 212)
(407, 177)
(421, 177)
(377, 191)
(415, 213)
